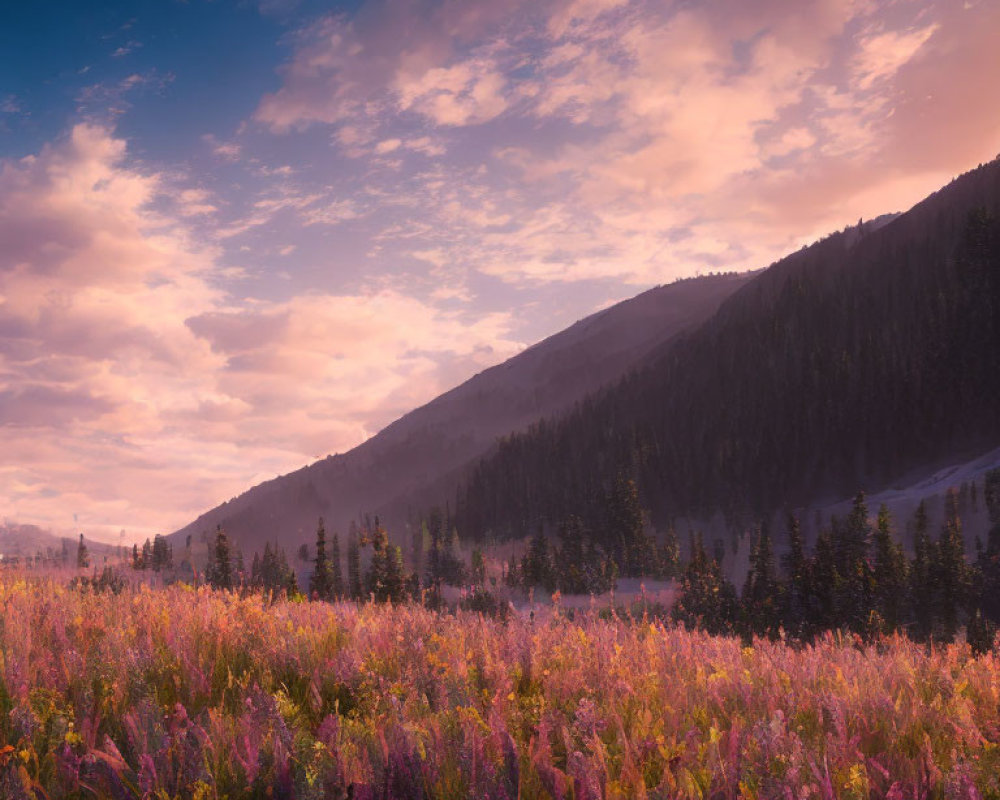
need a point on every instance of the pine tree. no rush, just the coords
(376, 577)
(220, 568)
(321, 583)
(822, 586)
(353, 564)
(795, 566)
(988, 572)
(890, 572)
(477, 571)
(923, 589)
(536, 566)
(418, 533)
(443, 564)
(761, 600)
(187, 562)
(980, 634)
(82, 557)
(952, 571)
(571, 567)
(162, 555)
(670, 555)
(625, 529)
(854, 580)
(240, 573)
(136, 560)
(395, 575)
(267, 570)
(384, 580)
(707, 600)
(292, 586)
(435, 553)
(336, 573)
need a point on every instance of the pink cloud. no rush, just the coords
(135, 393)
(752, 128)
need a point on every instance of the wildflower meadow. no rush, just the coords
(196, 693)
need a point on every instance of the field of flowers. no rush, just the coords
(182, 693)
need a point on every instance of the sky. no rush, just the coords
(240, 235)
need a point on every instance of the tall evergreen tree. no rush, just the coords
(187, 562)
(822, 585)
(82, 556)
(435, 552)
(271, 572)
(219, 573)
(385, 580)
(624, 532)
(854, 581)
(418, 535)
(952, 572)
(923, 588)
(761, 600)
(162, 554)
(669, 559)
(707, 600)
(336, 573)
(795, 566)
(988, 573)
(536, 566)
(321, 580)
(570, 563)
(890, 572)
(239, 568)
(354, 587)
(477, 567)
(442, 561)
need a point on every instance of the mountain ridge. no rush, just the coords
(421, 456)
(777, 398)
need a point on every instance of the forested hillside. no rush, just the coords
(871, 353)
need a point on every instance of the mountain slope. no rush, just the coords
(870, 354)
(418, 459)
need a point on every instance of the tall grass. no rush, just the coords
(178, 693)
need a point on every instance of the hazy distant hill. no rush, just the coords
(869, 356)
(418, 460)
(18, 542)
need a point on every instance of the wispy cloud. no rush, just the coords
(9, 104)
(648, 138)
(129, 47)
(110, 99)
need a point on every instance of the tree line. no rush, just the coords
(856, 578)
(375, 567)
